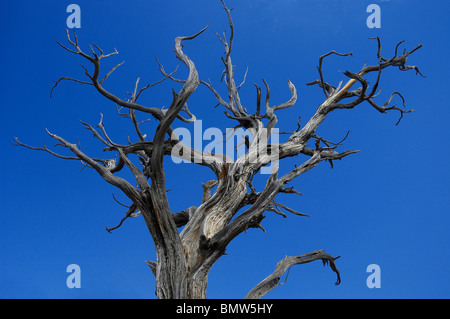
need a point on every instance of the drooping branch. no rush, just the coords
(94, 77)
(233, 94)
(384, 108)
(273, 280)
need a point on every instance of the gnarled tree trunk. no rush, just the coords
(184, 258)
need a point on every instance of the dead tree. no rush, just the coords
(185, 257)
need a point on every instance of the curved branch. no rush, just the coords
(179, 100)
(253, 215)
(234, 103)
(272, 281)
(322, 83)
(291, 101)
(67, 79)
(293, 211)
(45, 149)
(95, 60)
(104, 172)
(129, 213)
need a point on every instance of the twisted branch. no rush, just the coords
(273, 280)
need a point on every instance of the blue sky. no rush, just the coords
(387, 205)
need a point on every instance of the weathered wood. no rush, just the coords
(184, 258)
(273, 280)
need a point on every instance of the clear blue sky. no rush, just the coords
(387, 205)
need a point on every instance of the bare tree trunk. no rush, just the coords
(184, 258)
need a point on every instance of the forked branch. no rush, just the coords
(94, 76)
(184, 259)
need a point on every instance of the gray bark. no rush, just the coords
(184, 258)
(273, 280)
